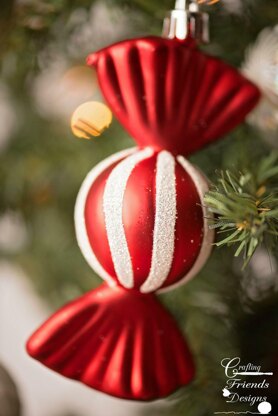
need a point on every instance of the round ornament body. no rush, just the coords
(140, 222)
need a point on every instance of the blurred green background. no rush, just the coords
(225, 312)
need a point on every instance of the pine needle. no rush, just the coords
(245, 207)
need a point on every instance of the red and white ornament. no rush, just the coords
(139, 217)
(140, 220)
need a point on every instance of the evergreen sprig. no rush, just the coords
(245, 207)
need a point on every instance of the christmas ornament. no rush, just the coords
(91, 119)
(261, 67)
(139, 216)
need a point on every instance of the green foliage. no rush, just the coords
(245, 207)
(42, 167)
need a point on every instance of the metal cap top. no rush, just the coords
(186, 21)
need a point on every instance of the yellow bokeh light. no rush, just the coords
(90, 119)
(209, 2)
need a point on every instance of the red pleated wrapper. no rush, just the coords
(126, 345)
(169, 95)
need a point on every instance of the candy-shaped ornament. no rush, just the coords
(139, 217)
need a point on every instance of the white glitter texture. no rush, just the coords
(113, 211)
(201, 185)
(79, 214)
(165, 221)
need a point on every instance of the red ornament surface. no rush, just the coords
(119, 342)
(169, 95)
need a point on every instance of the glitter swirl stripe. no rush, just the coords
(165, 221)
(113, 210)
(79, 214)
(201, 185)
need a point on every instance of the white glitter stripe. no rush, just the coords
(113, 211)
(79, 214)
(164, 225)
(201, 184)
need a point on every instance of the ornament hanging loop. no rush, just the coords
(186, 21)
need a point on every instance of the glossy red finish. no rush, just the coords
(120, 342)
(138, 220)
(169, 95)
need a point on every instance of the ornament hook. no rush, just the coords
(186, 21)
(180, 4)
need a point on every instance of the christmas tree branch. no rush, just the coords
(244, 207)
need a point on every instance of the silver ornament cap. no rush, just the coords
(186, 21)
